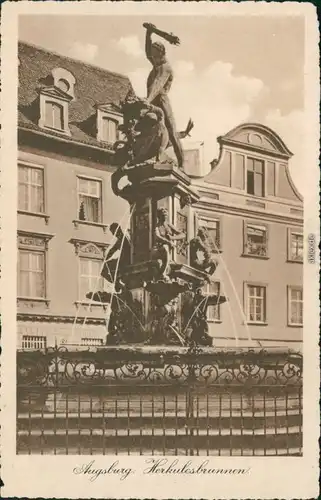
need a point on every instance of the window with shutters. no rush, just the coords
(255, 177)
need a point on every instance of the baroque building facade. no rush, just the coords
(68, 122)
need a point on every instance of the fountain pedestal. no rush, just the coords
(155, 307)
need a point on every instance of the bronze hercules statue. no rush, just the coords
(149, 124)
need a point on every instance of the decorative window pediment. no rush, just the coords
(108, 120)
(56, 93)
(89, 249)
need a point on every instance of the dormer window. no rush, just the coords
(54, 101)
(109, 130)
(54, 115)
(108, 120)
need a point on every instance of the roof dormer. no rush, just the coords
(54, 101)
(109, 118)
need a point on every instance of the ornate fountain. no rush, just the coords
(160, 277)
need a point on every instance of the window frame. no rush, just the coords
(255, 224)
(293, 231)
(31, 272)
(59, 106)
(110, 119)
(107, 111)
(60, 98)
(84, 300)
(31, 247)
(101, 207)
(206, 292)
(246, 301)
(199, 217)
(289, 302)
(26, 164)
(262, 160)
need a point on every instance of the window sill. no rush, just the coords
(295, 325)
(78, 222)
(33, 301)
(256, 323)
(87, 303)
(214, 321)
(253, 256)
(291, 261)
(35, 214)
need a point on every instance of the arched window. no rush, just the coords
(54, 115)
(108, 130)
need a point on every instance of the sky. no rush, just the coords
(227, 70)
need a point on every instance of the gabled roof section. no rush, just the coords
(255, 136)
(93, 85)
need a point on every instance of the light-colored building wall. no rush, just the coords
(280, 211)
(59, 223)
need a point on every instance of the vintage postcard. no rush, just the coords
(160, 265)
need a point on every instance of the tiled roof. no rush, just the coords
(93, 86)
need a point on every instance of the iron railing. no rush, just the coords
(153, 400)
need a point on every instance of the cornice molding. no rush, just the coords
(248, 212)
(49, 318)
(69, 140)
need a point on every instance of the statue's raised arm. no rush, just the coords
(151, 28)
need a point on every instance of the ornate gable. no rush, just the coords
(256, 137)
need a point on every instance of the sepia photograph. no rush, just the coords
(161, 189)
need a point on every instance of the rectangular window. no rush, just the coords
(89, 200)
(213, 230)
(295, 306)
(92, 341)
(54, 115)
(33, 342)
(256, 304)
(30, 189)
(109, 130)
(255, 240)
(213, 311)
(295, 246)
(255, 177)
(31, 274)
(90, 279)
